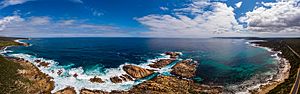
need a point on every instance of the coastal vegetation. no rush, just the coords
(282, 45)
(20, 77)
(8, 70)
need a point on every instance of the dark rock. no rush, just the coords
(87, 91)
(127, 77)
(160, 63)
(96, 80)
(67, 90)
(116, 79)
(173, 54)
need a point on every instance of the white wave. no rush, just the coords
(82, 80)
(259, 80)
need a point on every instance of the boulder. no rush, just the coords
(87, 91)
(184, 69)
(67, 90)
(126, 76)
(137, 72)
(116, 79)
(96, 80)
(173, 54)
(160, 63)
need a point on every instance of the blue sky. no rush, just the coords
(143, 18)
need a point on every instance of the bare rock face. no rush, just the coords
(137, 72)
(87, 91)
(96, 80)
(67, 90)
(184, 69)
(36, 81)
(173, 54)
(42, 63)
(160, 63)
(116, 79)
(163, 85)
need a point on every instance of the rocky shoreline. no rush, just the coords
(180, 80)
(28, 78)
(159, 84)
(282, 73)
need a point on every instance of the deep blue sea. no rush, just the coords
(222, 61)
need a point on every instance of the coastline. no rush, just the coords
(139, 87)
(26, 78)
(283, 71)
(261, 88)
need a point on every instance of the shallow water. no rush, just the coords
(222, 61)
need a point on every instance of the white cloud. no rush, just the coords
(239, 4)
(39, 20)
(217, 22)
(7, 3)
(282, 16)
(7, 20)
(164, 8)
(46, 27)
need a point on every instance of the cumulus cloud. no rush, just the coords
(7, 20)
(7, 3)
(47, 27)
(280, 17)
(239, 4)
(220, 20)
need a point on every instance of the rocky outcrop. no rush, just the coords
(116, 79)
(96, 80)
(184, 69)
(36, 81)
(137, 72)
(172, 85)
(42, 63)
(87, 91)
(126, 77)
(173, 54)
(67, 90)
(160, 63)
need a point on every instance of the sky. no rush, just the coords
(150, 18)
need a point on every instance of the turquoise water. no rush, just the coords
(222, 61)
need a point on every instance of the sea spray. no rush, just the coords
(256, 82)
(82, 80)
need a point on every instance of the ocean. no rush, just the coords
(225, 62)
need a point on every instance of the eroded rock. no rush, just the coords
(184, 69)
(173, 54)
(67, 90)
(96, 80)
(160, 63)
(87, 91)
(137, 72)
(116, 79)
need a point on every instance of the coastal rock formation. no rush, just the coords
(172, 85)
(116, 79)
(38, 82)
(137, 72)
(160, 63)
(184, 69)
(87, 91)
(126, 77)
(42, 63)
(67, 90)
(96, 80)
(173, 54)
